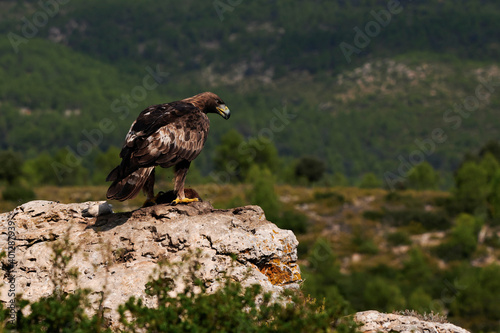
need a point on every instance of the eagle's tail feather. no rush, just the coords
(114, 174)
(128, 187)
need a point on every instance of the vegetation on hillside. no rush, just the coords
(74, 87)
(369, 248)
(308, 120)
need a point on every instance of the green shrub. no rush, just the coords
(398, 238)
(429, 220)
(363, 243)
(323, 279)
(471, 187)
(319, 195)
(291, 220)
(393, 196)
(18, 193)
(494, 199)
(310, 168)
(370, 180)
(263, 193)
(10, 166)
(380, 294)
(475, 303)
(374, 215)
(463, 240)
(423, 177)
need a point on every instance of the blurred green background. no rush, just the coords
(334, 103)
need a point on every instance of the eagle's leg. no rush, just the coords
(181, 170)
(148, 189)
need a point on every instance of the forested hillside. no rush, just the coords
(323, 95)
(89, 61)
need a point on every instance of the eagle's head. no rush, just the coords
(209, 102)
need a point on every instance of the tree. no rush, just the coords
(471, 187)
(38, 171)
(10, 166)
(63, 168)
(311, 168)
(423, 177)
(420, 301)
(105, 162)
(323, 276)
(68, 169)
(230, 155)
(369, 180)
(490, 164)
(263, 193)
(477, 299)
(382, 295)
(236, 156)
(265, 153)
(338, 179)
(494, 197)
(463, 239)
(491, 147)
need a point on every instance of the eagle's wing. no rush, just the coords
(165, 134)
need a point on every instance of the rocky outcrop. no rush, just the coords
(374, 322)
(120, 251)
(117, 253)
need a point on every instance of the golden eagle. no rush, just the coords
(170, 134)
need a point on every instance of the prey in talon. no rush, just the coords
(166, 135)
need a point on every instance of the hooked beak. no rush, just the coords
(223, 110)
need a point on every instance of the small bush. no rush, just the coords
(429, 220)
(18, 193)
(398, 238)
(310, 168)
(329, 195)
(363, 243)
(462, 242)
(393, 196)
(380, 294)
(370, 180)
(374, 215)
(291, 220)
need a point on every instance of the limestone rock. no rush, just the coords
(120, 251)
(374, 321)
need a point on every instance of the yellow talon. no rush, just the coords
(185, 200)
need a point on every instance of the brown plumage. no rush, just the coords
(171, 134)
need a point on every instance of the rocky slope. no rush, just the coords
(120, 251)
